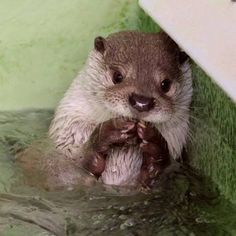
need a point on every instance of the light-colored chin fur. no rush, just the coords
(82, 109)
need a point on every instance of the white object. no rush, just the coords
(206, 30)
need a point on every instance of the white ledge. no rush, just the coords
(206, 30)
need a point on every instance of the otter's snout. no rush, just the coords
(141, 103)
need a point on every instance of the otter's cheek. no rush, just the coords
(118, 108)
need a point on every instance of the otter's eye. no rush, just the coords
(165, 85)
(117, 77)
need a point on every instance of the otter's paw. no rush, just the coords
(155, 160)
(112, 132)
(148, 133)
(153, 145)
(94, 163)
(155, 154)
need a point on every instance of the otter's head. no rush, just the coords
(141, 75)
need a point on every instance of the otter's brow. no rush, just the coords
(117, 67)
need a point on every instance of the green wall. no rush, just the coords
(43, 44)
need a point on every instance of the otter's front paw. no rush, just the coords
(155, 153)
(148, 133)
(112, 132)
(94, 163)
(154, 163)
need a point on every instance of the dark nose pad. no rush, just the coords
(141, 103)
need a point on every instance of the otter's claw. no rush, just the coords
(147, 132)
(128, 128)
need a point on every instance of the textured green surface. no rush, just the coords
(213, 147)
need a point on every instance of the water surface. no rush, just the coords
(184, 203)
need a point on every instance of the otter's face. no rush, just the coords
(143, 76)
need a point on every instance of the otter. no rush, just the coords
(127, 110)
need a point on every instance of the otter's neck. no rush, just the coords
(176, 136)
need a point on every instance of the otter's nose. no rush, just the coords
(141, 103)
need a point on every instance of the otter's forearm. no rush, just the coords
(70, 137)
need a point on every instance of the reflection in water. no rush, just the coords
(182, 203)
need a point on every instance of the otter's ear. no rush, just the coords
(182, 57)
(99, 44)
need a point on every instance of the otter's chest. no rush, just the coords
(122, 166)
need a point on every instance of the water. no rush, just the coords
(184, 203)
